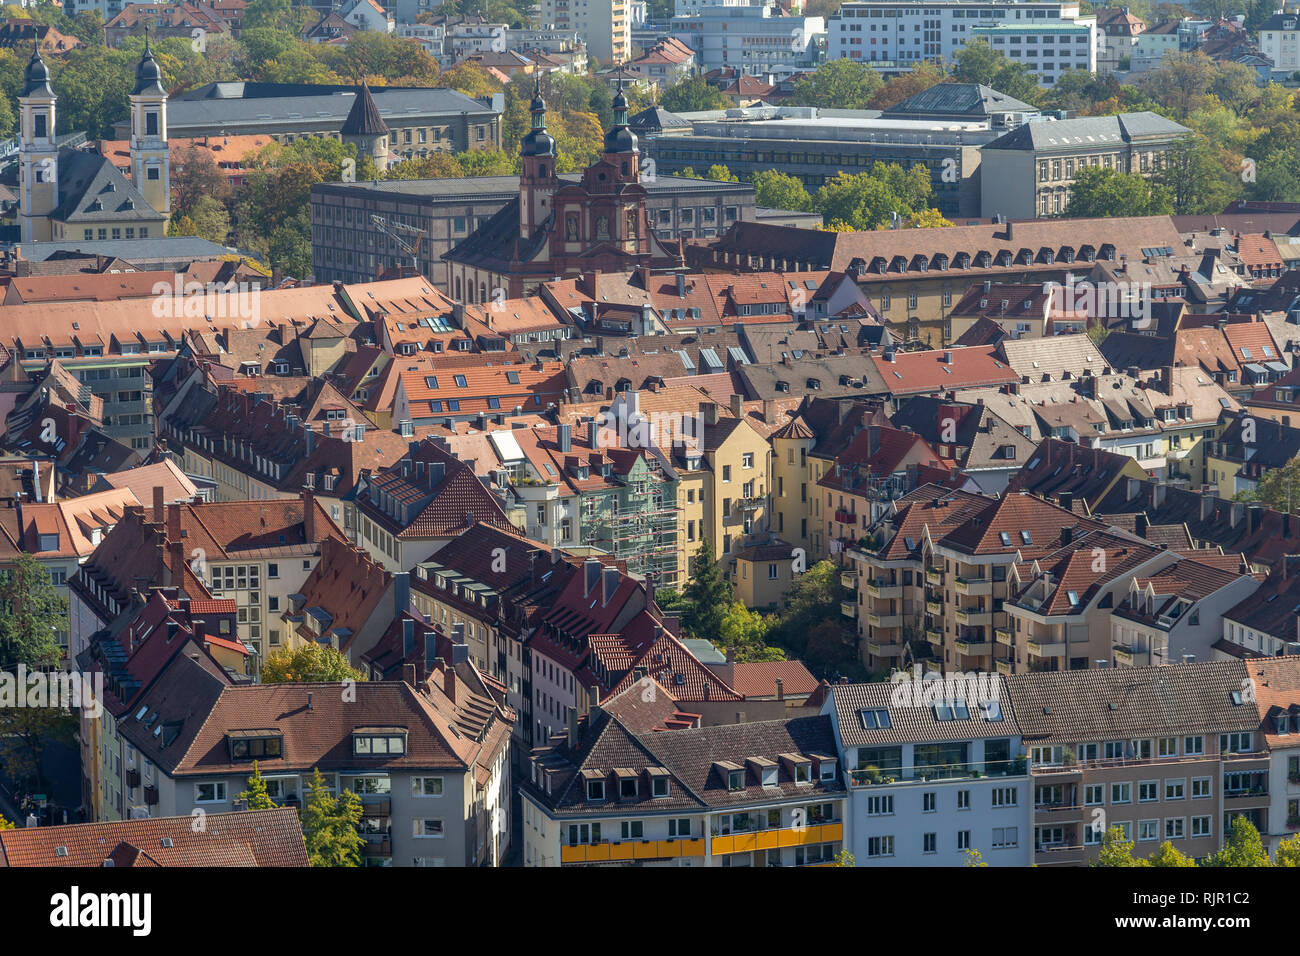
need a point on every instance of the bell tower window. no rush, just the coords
(151, 124)
(40, 126)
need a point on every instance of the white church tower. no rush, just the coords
(150, 158)
(38, 154)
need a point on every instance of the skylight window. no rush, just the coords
(1073, 597)
(460, 382)
(1024, 537)
(874, 719)
(1006, 538)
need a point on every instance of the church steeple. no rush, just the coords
(537, 182)
(37, 152)
(150, 154)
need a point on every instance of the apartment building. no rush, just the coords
(1047, 38)
(639, 782)
(1279, 40)
(1162, 753)
(1246, 449)
(1277, 695)
(934, 769)
(1264, 624)
(428, 760)
(756, 39)
(605, 25)
(256, 553)
(937, 576)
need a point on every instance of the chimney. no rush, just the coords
(681, 285)
(609, 584)
(573, 727)
(309, 514)
(157, 504)
(408, 637)
(593, 434)
(780, 689)
(174, 524)
(310, 701)
(591, 575)
(408, 675)
(401, 593)
(436, 471)
(738, 406)
(873, 439)
(430, 650)
(309, 438)
(1140, 525)
(1207, 505)
(449, 683)
(564, 438)
(1066, 500)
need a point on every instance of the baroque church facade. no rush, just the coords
(67, 194)
(560, 228)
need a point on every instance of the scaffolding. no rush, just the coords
(642, 533)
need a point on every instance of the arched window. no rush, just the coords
(482, 292)
(457, 288)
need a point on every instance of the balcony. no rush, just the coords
(974, 586)
(884, 620)
(133, 777)
(776, 839)
(848, 609)
(377, 808)
(1003, 667)
(1124, 654)
(1058, 855)
(885, 590)
(1045, 648)
(933, 635)
(973, 644)
(878, 649)
(877, 777)
(845, 517)
(970, 615)
(151, 796)
(384, 848)
(629, 850)
(1002, 635)
(934, 577)
(934, 607)
(849, 581)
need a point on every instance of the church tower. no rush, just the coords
(621, 146)
(150, 157)
(537, 182)
(366, 129)
(38, 155)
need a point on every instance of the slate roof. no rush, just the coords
(1072, 706)
(915, 723)
(1085, 132)
(92, 189)
(364, 119)
(958, 100)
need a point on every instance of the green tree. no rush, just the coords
(208, 218)
(437, 165)
(871, 199)
(1279, 488)
(774, 189)
(1116, 850)
(488, 162)
(329, 825)
(974, 858)
(1181, 80)
(1195, 176)
(921, 77)
(1168, 855)
(256, 797)
(33, 614)
(838, 84)
(1243, 847)
(745, 632)
(693, 95)
(844, 858)
(1288, 852)
(707, 596)
(721, 174)
(194, 177)
(308, 663)
(25, 732)
(978, 62)
(1102, 193)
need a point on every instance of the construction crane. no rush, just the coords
(396, 231)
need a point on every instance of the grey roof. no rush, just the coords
(173, 248)
(704, 651)
(657, 118)
(1087, 131)
(488, 188)
(915, 722)
(92, 189)
(972, 100)
(1124, 703)
(761, 380)
(402, 105)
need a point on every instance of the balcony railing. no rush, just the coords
(1045, 648)
(848, 609)
(974, 585)
(876, 777)
(884, 589)
(934, 607)
(884, 620)
(1002, 635)
(849, 581)
(934, 576)
(879, 649)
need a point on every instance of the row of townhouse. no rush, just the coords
(1034, 768)
(427, 750)
(1031, 769)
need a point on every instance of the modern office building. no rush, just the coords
(606, 25)
(895, 35)
(753, 39)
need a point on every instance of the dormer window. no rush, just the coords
(380, 742)
(595, 791)
(826, 769)
(659, 787)
(254, 744)
(735, 780)
(803, 774)
(770, 776)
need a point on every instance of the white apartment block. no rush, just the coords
(1279, 40)
(756, 40)
(605, 24)
(1048, 38)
